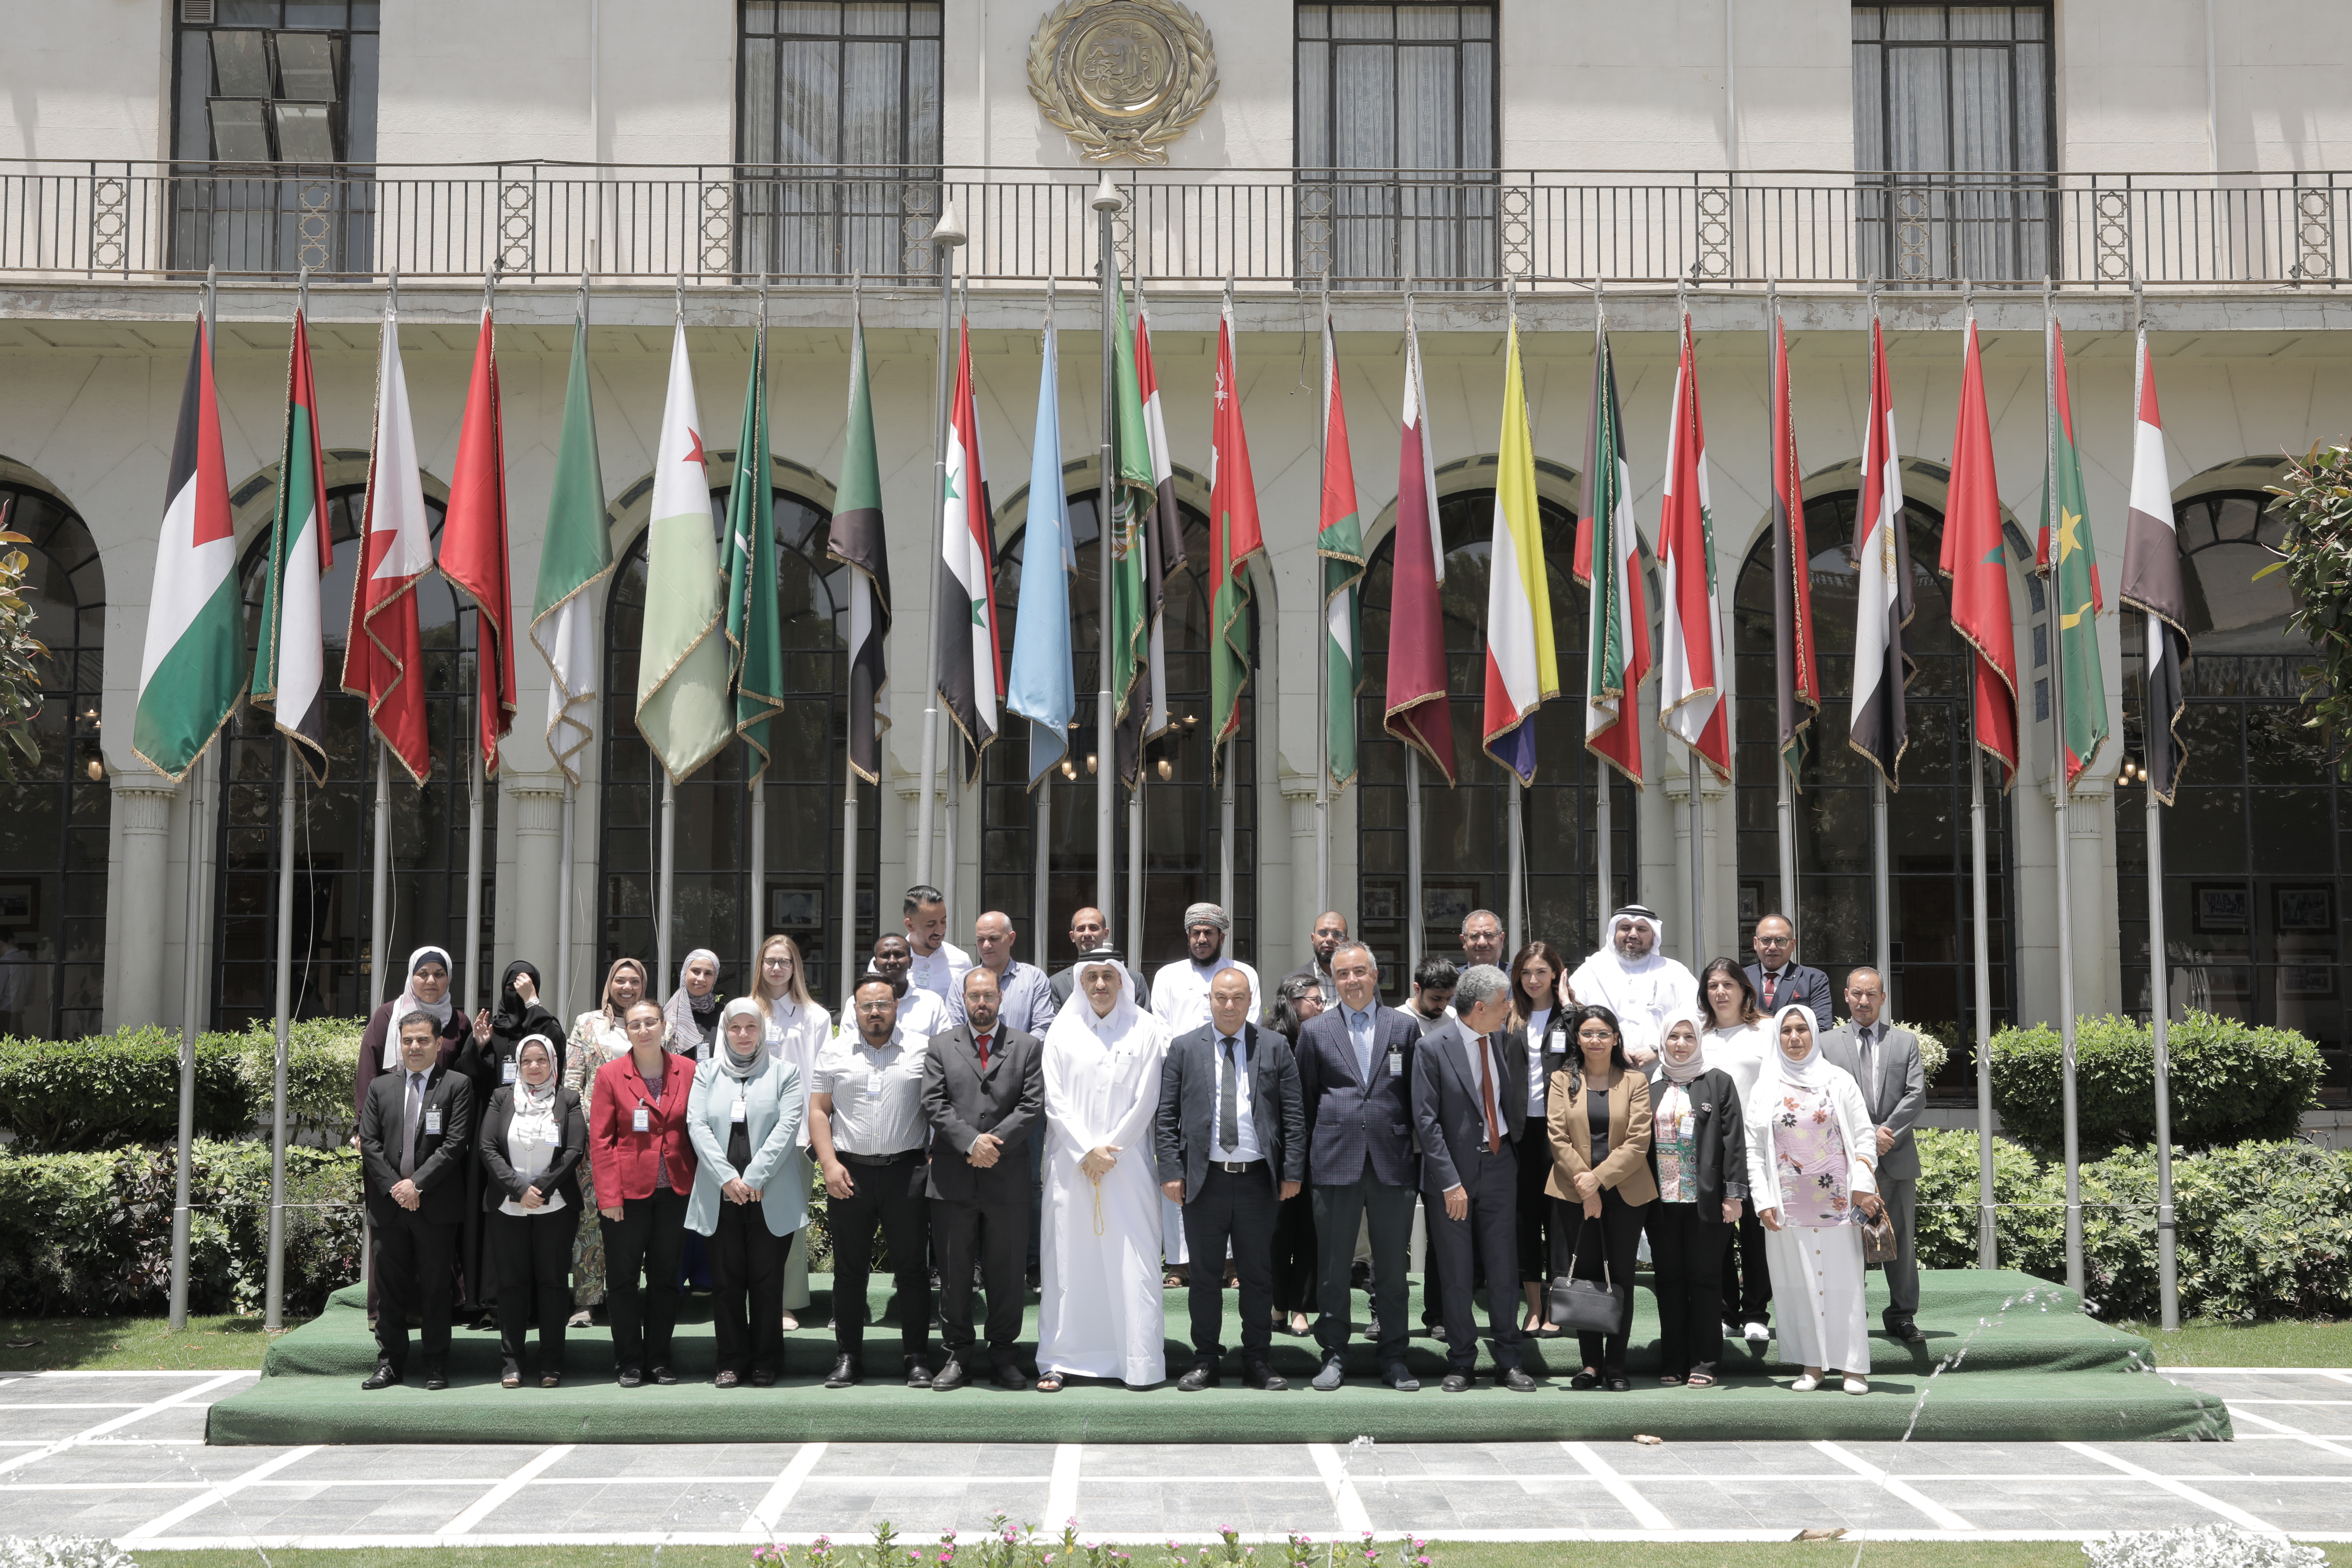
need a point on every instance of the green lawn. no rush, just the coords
(130, 1345)
(2203, 1342)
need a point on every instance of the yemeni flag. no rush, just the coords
(1799, 672)
(1418, 711)
(972, 671)
(683, 708)
(1883, 600)
(1971, 558)
(574, 555)
(289, 667)
(474, 546)
(1522, 663)
(857, 541)
(384, 652)
(1134, 599)
(753, 631)
(2064, 556)
(1692, 703)
(1340, 541)
(2152, 586)
(1608, 562)
(193, 670)
(1234, 537)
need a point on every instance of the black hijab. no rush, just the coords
(514, 1020)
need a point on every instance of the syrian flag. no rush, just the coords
(1609, 563)
(289, 667)
(1234, 536)
(1796, 667)
(2152, 586)
(574, 555)
(1972, 559)
(1160, 533)
(857, 541)
(193, 670)
(1883, 602)
(1340, 541)
(972, 671)
(1692, 703)
(1522, 664)
(474, 546)
(384, 652)
(1418, 711)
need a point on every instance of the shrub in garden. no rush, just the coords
(124, 1088)
(2231, 1082)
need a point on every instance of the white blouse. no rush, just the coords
(532, 1140)
(795, 1034)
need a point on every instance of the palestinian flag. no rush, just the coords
(753, 631)
(1972, 559)
(1883, 602)
(1419, 713)
(1608, 562)
(1340, 543)
(1799, 672)
(855, 540)
(474, 546)
(2065, 557)
(972, 671)
(384, 654)
(2152, 586)
(1694, 697)
(289, 667)
(1234, 537)
(574, 555)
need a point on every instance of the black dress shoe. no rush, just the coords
(764, 1380)
(845, 1371)
(510, 1374)
(1908, 1333)
(1587, 1379)
(1516, 1381)
(950, 1377)
(385, 1375)
(665, 1377)
(1199, 1378)
(1618, 1383)
(1401, 1378)
(917, 1374)
(436, 1380)
(1260, 1376)
(1456, 1382)
(631, 1378)
(727, 1380)
(1008, 1376)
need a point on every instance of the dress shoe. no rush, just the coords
(1755, 1333)
(845, 1371)
(919, 1375)
(764, 1380)
(1260, 1376)
(1333, 1374)
(385, 1375)
(1009, 1376)
(1437, 1332)
(436, 1379)
(1199, 1377)
(950, 1377)
(1401, 1378)
(727, 1380)
(1585, 1380)
(665, 1377)
(1617, 1381)
(1909, 1332)
(1514, 1379)
(631, 1378)
(1456, 1382)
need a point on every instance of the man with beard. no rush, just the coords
(1633, 979)
(1331, 930)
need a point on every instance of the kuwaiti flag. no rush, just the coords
(1234, 536)
(474, 546)
(193, 670)
(971, 672)
(289, 667)
(384, 656)
(1609, 564)
(574, 555)
(1883, 601)
(1972, 559)
(2152, 586)
(684, 709)
(1522, 667)
(1340, 541)
(857, 541)
(1692, 668)
(1043, 687)
(1419, 713)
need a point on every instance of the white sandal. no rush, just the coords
(1806, 1382)
(1856, 1385)
(791, 1322)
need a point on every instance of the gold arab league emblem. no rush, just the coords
(1122, 77)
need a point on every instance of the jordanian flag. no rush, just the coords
(193, 667)
(2152, 586)
(384, 652)
(972, 671)
(1877, 727)
(855, 540)
(1340, 541)
(1134, 499)
(752, 628)
(1795, 663)
(1522, 665)
(574, 555)
(1694, 695)
(2064, 556)
(683, 710)
(1609, 562)
(289, 667)
(474, 546)
(1234, 537)
(1972, 559)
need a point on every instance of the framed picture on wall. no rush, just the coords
(795, 909)
(2306, 981)
(1380, 906)
(2309, 907)
(1445, 905)
(20, 904)
(2219, 908)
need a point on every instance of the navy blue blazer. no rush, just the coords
(1352, 1125)
(1450, 1112)
(1805, 984)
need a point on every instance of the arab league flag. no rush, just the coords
(2152, 586)
(1972, 559)
(683, 710)
(1609, 562)
(753, 631)
(1419, 713)
(474, 546)
(1522, 667)
(289, 667)
(1340, 541)
(575, 555)
(1795, 664)
(2065, 557)
(384, 652)
(1692, 703)
(1043, 688)
(855, 540)
(193, 670)
(1883, 603)
(970, 673)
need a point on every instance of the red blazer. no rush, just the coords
(622, 1157)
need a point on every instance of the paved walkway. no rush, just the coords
(121, 1455)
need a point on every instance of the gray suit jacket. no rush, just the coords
(1448, 1109)
(1894, 1099)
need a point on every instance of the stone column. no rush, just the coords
(150, 914)
(2091, 870)
(1721, 892)
(530, 915)
(1281, 951)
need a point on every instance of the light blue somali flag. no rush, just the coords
(1041, 686)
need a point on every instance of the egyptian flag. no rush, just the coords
(2152, 586)
(1799, 672)
(1159, 532)
(1883, 601)
(1418, 712)
(1607, 564)
(1339, 544)
(855, 540)
(289, 667)
(384, 654)
(971, 672)
(1692, 703)
(474, 546)
(1234, 537)
(1973, 559)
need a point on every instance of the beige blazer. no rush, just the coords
(1626, 1171)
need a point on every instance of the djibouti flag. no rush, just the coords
(289, 667)
(683, 710)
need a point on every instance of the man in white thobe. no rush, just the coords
(1634, 979)
(1179, 999)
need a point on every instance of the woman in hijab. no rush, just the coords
(1736, 1042)
(488, 1059)
(1810, 1150)
(426, 991)
(750, 1188)
(534, 1139)
(1697, 1134)
(645, 1168)
(795, 1029)
(693, 1009)
(598, 1036)
(1600, 1136)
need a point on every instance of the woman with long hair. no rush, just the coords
(1538, 1001)
(598, 1035)
(1736, 1042)
(795, 1028)
(1296, 1000)
(1600, 1176)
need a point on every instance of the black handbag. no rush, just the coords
(1589, 1306)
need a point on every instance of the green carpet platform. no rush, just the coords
(2030, 1367)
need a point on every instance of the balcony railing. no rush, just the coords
(728, 223)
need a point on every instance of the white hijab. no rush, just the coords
(408, 1003)
(1686, 1073)
(539, 1101)
(1076, 1024)
(1812, 1072)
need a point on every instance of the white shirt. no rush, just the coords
(1480, 1062)
(941, 973)
(920, 1016)
(1179, 993)
(795, 1034)
(1539, 1065)
(878, 1096)
(532, 1145)
(1244, 1083)
(1738, 1052)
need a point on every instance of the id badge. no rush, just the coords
(873, 1084)
(505, 1072)
(642, 1122)
(1396, 1064)
(1556, 1043)
(432, 1125)
(737, 1115)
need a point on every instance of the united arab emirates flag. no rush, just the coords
(1877, 726)
(1234, 537)
(683, 710)
(2152, 586)
(574, 555)
(972, 671)
(2066, 558)
(855, 540)
(1340, 543)
(1795, 664)
(1972, 559)
(752, 628)
(193, 670)
(474, 546)
(289, 667)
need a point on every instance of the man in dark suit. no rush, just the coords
(1470, 1103)
(1780, 980)
(1884, 1062)
(1232, 1144)
(416, 1132)
(984, 1094)
(1355, 1080)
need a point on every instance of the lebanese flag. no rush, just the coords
(2152, 586)
(1234, 536)
(1883, 602)
(1971, 557)
(972, 671)
(383, 654)
(1692, 701)
(1418, 712)
(474, 546)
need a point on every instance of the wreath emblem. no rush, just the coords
(1122, 79)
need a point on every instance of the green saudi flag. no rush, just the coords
(1136, 495)
(2066, 559)
(752, 628)
(684, 710)
(575, 555)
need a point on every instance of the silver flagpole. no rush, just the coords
(1691, 762)
(2159, 966)
(755, 918)
(571, 796)
(669, 834)
(945, 238)
(1107, 201)
(1039, 909)
(2058, 795)
(473, 876)
(1987, 1232)
(1605, 898)
(952, 788)
(1322, 638)
(862, 592)
(1514, 895)
(1413, 920)
(379, 877)
(1226, 833)
(1784, 817)
(1882, 892)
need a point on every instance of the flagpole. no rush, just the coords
(571, 806)
(1412, 915)
(945, 238)
(1233, 747)
(2159, 967)
(379, 885)
(1722, 695)
(1514, 895)
(1784, 815)
(1106, 202)
(756, 918)
(1603, 882)
(1980, 934)
(1134, 856)
(2051, 519)
(1225, 832)
(859, 585)
(1322, 638)
(667, 833)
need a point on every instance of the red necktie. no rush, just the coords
(1486, 1082)
(1771, 984)
(983, 1050)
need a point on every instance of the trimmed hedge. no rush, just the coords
(2231, 1083)
(113, 1089)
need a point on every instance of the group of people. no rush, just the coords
(996, 1128)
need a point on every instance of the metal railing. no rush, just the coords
(1372, 230)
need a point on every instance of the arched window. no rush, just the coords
(334, 831)
(1931, 944)
(1182, 818)
(711, 879)
(53, 819)
(1465, 831)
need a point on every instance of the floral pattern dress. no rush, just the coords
(1809, 1149)
(596, 1039)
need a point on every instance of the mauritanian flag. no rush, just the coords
(573, 557)
(383, 654)
(1522, 667)
(1693, 671)
(1609, 563)
(1883, 602)
(289, 667)
(1340, 541)
(2152, 586)
(1419, 713)
(684, 710)
(193, 670)
(1972, 559)
(1797, 669)
(474, 546)
(1234, 537)
(855, 540)
(972, 670)
(1133, 604)
(2065, 557)
(753, 630)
